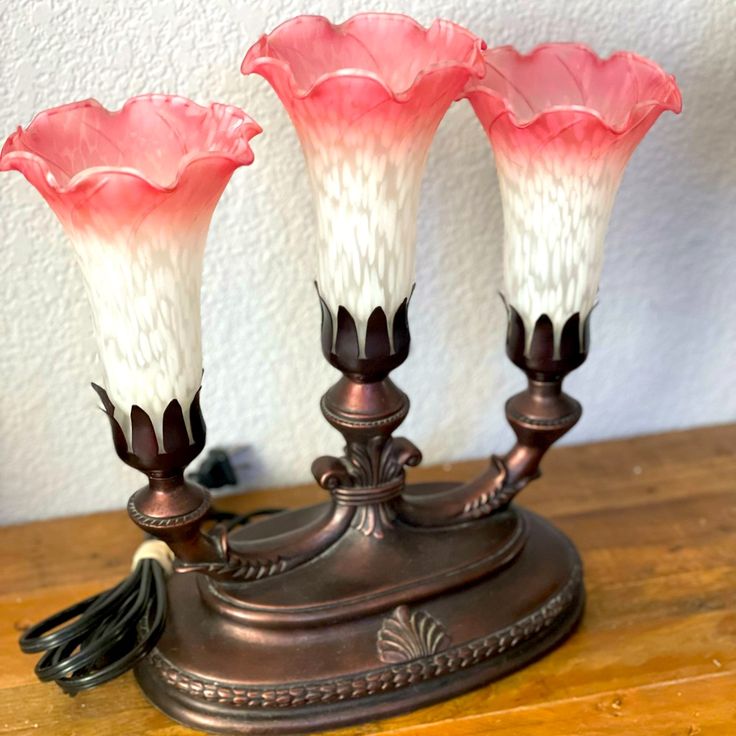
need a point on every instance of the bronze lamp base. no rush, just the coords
(367, 629)
(383, 599)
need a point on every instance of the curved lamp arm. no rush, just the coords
(539, 416)
(174, 510)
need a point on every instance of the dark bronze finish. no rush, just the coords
(169, 507)
(384, 349)
(539, 416)
(304, 667)
(365, 406)
(381, 599)
(174, 510)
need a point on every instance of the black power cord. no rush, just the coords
(98, 639)
(104, 638)
(105, 635)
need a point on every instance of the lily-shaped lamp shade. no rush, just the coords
(366, 98)
(135, 191)
(563, 124)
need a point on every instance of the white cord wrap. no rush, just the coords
(155, 549)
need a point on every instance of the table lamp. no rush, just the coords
(387, 596)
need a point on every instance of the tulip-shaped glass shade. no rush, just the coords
(563, 124)
(135, 191)
(366, 98)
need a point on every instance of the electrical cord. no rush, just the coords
(98, 639)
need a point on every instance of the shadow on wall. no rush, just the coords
(670, 261)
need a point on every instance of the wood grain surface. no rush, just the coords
(654, 518)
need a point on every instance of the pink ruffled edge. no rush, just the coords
(14, 157)
(257, 57)
(671, 100)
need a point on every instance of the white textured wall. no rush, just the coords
(664, 335)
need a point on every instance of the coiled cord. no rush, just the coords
(98, 639)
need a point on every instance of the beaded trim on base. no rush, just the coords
(321, 692)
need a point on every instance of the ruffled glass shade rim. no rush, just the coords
(13, 158)
(257, 57)
(671, 101)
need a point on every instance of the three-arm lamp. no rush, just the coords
(387, 596)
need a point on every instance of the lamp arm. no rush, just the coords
(244, 560)
(213, 552)
(539, 416)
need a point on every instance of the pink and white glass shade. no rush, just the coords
(366, 98)
(135, 191)
(563, 124)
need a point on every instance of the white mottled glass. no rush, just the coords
(555, 222)
(145, 300)
(366, 98)
(135, 191)
(563, 124)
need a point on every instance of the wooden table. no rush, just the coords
(654, 518)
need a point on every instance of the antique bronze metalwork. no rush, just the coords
(384, 598)
(539, 416)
